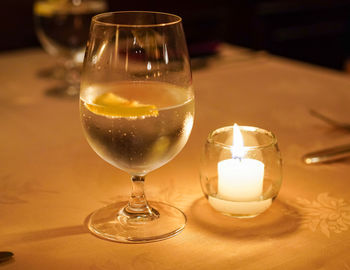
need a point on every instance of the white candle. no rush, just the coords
(240, 179)
(240, 182)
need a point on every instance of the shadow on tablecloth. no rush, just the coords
(46, 234)
(275, 222)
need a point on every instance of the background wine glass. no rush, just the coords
(137, 108)
(62, 27)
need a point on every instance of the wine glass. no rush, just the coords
(137, 109)
(62, 27)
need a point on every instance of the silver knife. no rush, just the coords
(328, 155)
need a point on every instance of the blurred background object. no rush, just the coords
(62, 27)
(314, 31)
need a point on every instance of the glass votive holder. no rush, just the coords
(241, 170)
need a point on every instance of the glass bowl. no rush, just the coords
(241, 170)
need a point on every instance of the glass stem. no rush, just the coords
(138, 206)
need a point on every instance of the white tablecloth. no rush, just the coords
(51, 180)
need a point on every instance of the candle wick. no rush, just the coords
(237, 158)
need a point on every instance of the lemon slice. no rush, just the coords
(48, 8)
(112, 105)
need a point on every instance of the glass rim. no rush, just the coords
(96, 19)
(272, 136)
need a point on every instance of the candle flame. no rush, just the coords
(237, 149)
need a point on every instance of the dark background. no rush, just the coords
(315, 31)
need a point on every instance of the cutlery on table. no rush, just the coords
(5, 256)
(328, 155)
(332, 122)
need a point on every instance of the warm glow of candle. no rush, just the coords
(240, 178)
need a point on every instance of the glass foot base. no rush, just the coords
(111, 223)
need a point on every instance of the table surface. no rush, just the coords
(51, 180)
